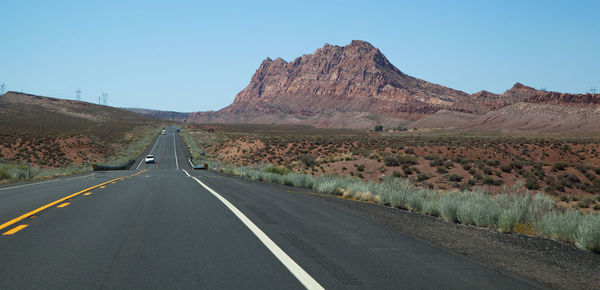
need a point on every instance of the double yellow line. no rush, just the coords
(31, 213)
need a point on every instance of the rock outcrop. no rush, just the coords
(353, 78)
(355, 86)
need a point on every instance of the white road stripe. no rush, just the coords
(47, 181)
(304, 278)
(175, 147)
(150, 152)
(80, 176)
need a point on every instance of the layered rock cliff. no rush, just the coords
(353, 78)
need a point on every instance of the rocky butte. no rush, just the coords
(356, 86)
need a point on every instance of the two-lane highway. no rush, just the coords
(165, 226)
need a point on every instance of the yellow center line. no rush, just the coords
(15, 229)
(24, 216)
(87, 193)
(63, 204)
(102, 186)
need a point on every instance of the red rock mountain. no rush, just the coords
(353, 78)
(356, 86)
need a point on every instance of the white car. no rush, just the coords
(150, 159)
(164, 132)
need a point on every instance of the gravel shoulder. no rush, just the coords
(552, 263)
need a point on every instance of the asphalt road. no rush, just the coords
(165, 226)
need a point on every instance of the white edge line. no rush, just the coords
(304, 278)
(186, 173)
(42, 182)
(138, 167)
(175, 147)
(80, 176)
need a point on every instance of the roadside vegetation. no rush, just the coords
(509, 211)
(481, 197)
(565, 168)
(130, 146)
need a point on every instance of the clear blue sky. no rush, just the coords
(196, 56)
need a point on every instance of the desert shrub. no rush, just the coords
(449, 207)
(488, 180)
(559, 166)
(278, 170)
(487, 170)
(573, 178)
(455, 177)
(431, 206)
(4, 174)
(507, 219)
(422, 177)
(559, 226)
(516, 165)
(590, 176)
(585, 203)
(478, 209)
(436, 162)
(448, 164)
(506, 168)
(360, 168)
(587, 235)
(299, 180)
(581, 168)
(390, 161)
(407, 159)
(441, 169)
(492, 163)
(307, 159)
(466, 166)
(378, 128)
(532, 184)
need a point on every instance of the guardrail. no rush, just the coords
(194, 166)
(124, 166)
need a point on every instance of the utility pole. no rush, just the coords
(104, 99)
(2, 88)
(78, 94)
(593, 90)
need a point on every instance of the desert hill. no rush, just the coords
(31, 114)
(521, 117)
(55, 132)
